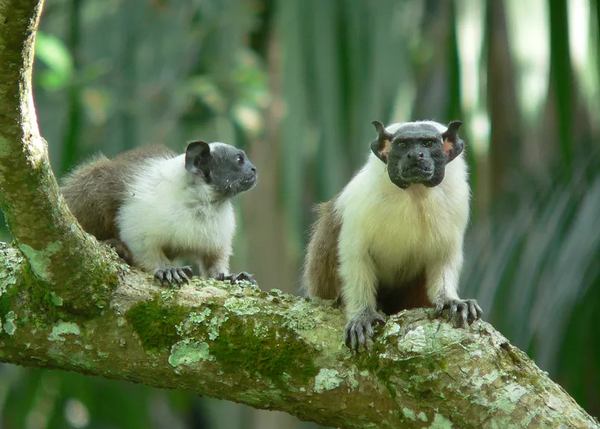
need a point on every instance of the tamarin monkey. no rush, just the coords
(393, 238)
(153, 205)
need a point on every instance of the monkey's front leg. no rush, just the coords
(442, 289)
(360, 329)
(359, 296)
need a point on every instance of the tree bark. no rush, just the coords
(45, 231)
(67, 303)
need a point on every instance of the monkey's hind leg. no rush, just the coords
(170, 275)
(320, 277)
(235, 278)
(151, 257)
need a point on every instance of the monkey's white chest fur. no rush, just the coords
(163, 209)
(399, 232)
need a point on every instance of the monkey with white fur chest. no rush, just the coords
(393, 238)
(153, 206)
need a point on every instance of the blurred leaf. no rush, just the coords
(532, 265)
(251, 79)
(208, 92)
(95, 70)
(578, 369)
(561, 78)
(249, 118)
(98, 103)
(56, 57)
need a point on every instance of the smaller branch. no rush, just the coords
(37, 217)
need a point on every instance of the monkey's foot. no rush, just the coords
(360, 329)
(234, 278)
(467, 309)
(121, 249)
(174, 276)
(338, 302)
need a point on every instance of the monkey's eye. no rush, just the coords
(428, 143)
(239, 159)
(402, 145)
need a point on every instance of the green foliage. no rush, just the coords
(53, 53)
(61, 400)
(534, 266)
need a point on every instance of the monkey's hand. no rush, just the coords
(467, 309)
(174, 276)
(234, 278)
(360, 329)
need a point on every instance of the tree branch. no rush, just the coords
(276, 351)
(45, 231)
(67, 303)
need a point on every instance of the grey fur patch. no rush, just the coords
(417, 131)
(230, 172)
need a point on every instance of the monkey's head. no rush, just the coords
(226, 169)
(417, 152)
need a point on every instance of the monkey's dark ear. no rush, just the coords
(383, 144)
(197, 154)
(453, 144)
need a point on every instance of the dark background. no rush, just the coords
(296, 83)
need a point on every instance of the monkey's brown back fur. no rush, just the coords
(321, 276)
(94, 191)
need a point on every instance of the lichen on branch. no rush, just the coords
(276, 351)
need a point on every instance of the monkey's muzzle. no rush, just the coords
(417, 172)
(249, 181)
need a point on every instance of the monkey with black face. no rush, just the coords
(393, 238)
(153, 205)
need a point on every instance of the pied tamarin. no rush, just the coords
(393, 238)
(153, 205)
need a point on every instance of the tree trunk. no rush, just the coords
(67, 303)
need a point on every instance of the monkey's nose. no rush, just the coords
(415, 154)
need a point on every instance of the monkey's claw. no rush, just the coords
(467, 309)
(234, 278)
(174, 276)
(360, 329)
